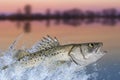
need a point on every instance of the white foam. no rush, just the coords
(42, 72)
(66, 71)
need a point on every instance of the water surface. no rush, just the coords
(108, 67)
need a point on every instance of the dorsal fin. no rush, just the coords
(44, 44)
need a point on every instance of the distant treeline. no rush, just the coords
(65, 15)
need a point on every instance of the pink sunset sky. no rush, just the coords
(10, 6)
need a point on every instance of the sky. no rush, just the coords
(10, 6)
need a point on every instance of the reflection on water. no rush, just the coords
(88, 30)
(85, 32)
(70, 22)
(27, 27)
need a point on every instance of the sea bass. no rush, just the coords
(49, 48)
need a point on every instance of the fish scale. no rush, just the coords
(51, 49)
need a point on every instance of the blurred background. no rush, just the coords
(71, 21)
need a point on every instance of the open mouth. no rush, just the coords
(98, 50)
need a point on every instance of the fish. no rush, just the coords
(50, 48)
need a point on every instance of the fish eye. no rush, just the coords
(91, 45)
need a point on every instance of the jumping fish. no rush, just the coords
(49, 48)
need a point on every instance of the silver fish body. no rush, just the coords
(59, 53)
(49, 48)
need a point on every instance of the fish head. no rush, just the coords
(92, 47)
(89, 53)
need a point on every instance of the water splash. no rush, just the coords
(66, 71)
(41, 72)
(7, 57)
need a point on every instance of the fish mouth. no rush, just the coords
(98, 50)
